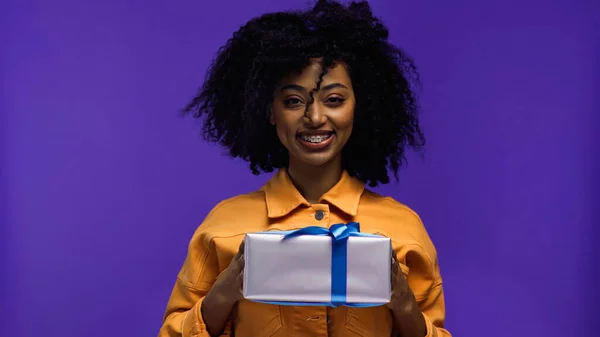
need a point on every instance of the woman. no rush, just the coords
(322, 97)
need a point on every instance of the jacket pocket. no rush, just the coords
(257, 319)
(369, 322)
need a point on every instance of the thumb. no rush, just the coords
(241, 248)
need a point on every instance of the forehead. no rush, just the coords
(309, 76)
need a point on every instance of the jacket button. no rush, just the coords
(319, 215)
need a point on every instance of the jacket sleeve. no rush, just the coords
(419, 262)
(433, 311)
(422, 272)
(200, 269)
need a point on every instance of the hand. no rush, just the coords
(229, 285)
(408, 319)
(402, 296)
(224, 294)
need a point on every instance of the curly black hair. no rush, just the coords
(235, 98)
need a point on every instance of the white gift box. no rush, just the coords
(298, 270)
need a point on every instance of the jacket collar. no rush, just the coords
(282, 197)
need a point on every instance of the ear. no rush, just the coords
(271, 118)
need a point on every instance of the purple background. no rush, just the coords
(103, 184)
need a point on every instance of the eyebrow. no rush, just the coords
(302, 89)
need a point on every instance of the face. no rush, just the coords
(316, 136)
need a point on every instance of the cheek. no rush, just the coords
(283, 128)
(282, 133)
(346, 121)
(347, 133)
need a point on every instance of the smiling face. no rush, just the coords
(314, 136)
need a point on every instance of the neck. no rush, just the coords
(313, 182)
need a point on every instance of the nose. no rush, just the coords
(314, 115)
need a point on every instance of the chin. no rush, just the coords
(316, 160)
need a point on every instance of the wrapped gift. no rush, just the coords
(318, 266)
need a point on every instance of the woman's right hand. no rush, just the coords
(224, 294)
(229, 285)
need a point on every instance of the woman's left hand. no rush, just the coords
(408, 320)
(402, 296)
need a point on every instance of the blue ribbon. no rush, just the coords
(339, 234)
(339, 255)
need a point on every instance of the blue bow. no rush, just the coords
(338, 232)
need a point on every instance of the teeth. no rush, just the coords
(315, 139)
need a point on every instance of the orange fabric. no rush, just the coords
(279, 206)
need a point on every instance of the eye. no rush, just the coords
(292, 101)
(335, 100)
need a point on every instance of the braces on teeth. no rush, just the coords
(315, 139)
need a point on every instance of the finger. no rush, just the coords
(240, 250)
(241, 262)
(394, 273)
(395, 266)
(241, 281)
(237, 265)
